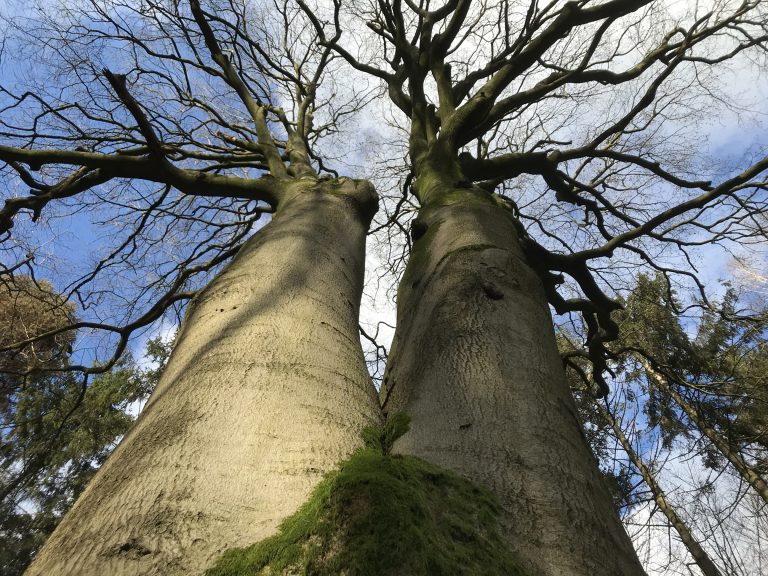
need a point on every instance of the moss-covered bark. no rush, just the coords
(381, 515)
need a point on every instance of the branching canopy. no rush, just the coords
(582, 114)
(169, 127)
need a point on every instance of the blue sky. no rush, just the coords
(726, 138)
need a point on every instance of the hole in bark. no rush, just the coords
(418, 229)
(492, 291)
(133, 548)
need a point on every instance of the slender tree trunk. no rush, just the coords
(475, 364)
(701, 558)
(742, 467)
(266, 391)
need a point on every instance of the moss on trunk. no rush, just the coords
(383, 515)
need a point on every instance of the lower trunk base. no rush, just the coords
(382, 515)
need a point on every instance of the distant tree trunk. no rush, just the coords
(742, 467)
(701, 558)
(475, 364)
(266, 391)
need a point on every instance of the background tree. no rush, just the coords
(679, 398)
(541, 140)
(55, 433)
(28, 310)
(713, 384)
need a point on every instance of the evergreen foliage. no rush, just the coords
(717, 361)
(720, 370)
(55, 429)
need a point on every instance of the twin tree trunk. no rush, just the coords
(267, 390)
(475, 364)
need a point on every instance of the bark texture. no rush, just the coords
(475, 364)
(265, 392)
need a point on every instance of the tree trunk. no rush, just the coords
(266, 391)
(475, 364)
(742, 467)
(702, 559)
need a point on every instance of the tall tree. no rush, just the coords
(474, 360)
(527, 171)
(683, 398)
(266, 390)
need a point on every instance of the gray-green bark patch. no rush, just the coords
(462, 196)
(419, 258)
(415, 270)
(380, 515)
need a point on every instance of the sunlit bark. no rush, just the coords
(265, 392)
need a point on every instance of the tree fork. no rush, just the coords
(265, 392)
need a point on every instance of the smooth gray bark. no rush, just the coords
(475, 364)
(266, 391)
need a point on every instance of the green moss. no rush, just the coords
(383, 515)
(383, 438)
